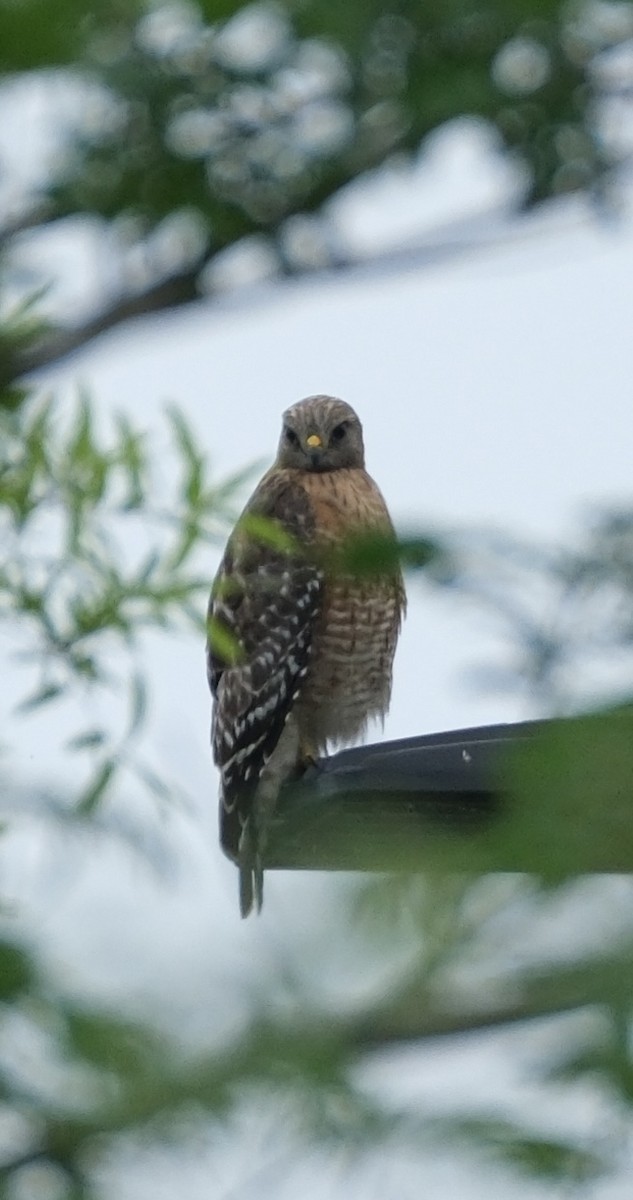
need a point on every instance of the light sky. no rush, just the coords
(494, 389)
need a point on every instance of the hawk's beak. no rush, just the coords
(315, 447)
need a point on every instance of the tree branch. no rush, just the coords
(180, 288)
(184, 287)
(533, 995)
(41, 213)
(22, 1160)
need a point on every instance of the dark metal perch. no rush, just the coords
(448, 801)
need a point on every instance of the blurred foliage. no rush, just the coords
(302, 1066)
(189, 127)
(100, 546)
(565, 610)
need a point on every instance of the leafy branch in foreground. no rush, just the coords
(211, 127)
(102, 542)
(304, 1065)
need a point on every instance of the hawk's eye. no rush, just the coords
(291, 436)
(338, 433)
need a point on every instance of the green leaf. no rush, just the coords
(13, 397)
(112, 1045)
(131, 455)
(138, 704)
(148, 568)
(541, 1157)
(223, 644)
(153, 782)
(17, 973)
(193, 461)
(577, 775)
(43, 695)
(85, 665)
(97, 787)
(369, 553)
(418, 553)
(268, 532)
(190, 536)
(91, 739)
(89, 465)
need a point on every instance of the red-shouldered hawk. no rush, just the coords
(300, 653)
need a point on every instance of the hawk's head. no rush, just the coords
(321, 434)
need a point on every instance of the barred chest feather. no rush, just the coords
(354, 640)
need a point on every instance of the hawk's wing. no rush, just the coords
(264, 602)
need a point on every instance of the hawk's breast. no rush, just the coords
(354, 641)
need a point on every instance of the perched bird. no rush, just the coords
(300, 649)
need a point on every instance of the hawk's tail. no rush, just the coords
(242, 844)
(251, 870)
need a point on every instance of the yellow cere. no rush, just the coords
(314, 440)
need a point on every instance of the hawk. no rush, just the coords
(300, 649)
